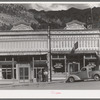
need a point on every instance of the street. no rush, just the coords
(86, 85)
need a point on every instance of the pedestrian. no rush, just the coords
(40, 76)
(45, 76)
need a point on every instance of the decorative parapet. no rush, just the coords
(75, 25)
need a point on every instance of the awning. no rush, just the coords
(23, 53)
(76, 52)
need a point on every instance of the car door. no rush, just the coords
(83, 74)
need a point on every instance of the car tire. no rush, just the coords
(71, 79)
(96, 77)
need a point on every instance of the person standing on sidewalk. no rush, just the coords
(40, 76)
(45, 76)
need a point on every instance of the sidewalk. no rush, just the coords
(36, 85)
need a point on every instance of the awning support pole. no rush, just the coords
(13, 69)
(49, 55)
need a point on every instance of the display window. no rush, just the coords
(58, 66)
(6, 72)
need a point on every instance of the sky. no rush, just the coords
(62, 6)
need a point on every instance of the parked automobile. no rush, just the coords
(84, 73)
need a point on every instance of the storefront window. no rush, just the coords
(6, 72)
(73, 67)
(58, 66)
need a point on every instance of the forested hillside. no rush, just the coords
(12, 13)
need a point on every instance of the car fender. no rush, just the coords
(75, 77)
(96, 73)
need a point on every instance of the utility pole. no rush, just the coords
(49, 53)
(91, 17)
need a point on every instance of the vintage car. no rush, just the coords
(83, 74)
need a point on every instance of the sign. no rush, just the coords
(58, 65)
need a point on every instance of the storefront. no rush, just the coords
(21, 68)
(26, 54)
(58, 67)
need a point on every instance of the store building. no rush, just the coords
(25, 51)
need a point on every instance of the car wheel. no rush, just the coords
(71, 79)
(96, 77)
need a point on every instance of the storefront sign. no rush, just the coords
(58, 65)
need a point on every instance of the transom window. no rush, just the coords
(58, 56)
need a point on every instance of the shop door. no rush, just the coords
(73, 67)
(24, 74)
(38, 74)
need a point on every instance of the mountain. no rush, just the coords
(12, 13)
(58, 19)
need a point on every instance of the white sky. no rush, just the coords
(62, 6)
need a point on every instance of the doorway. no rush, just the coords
(24, 74)
(38, 71)
(73, 67)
